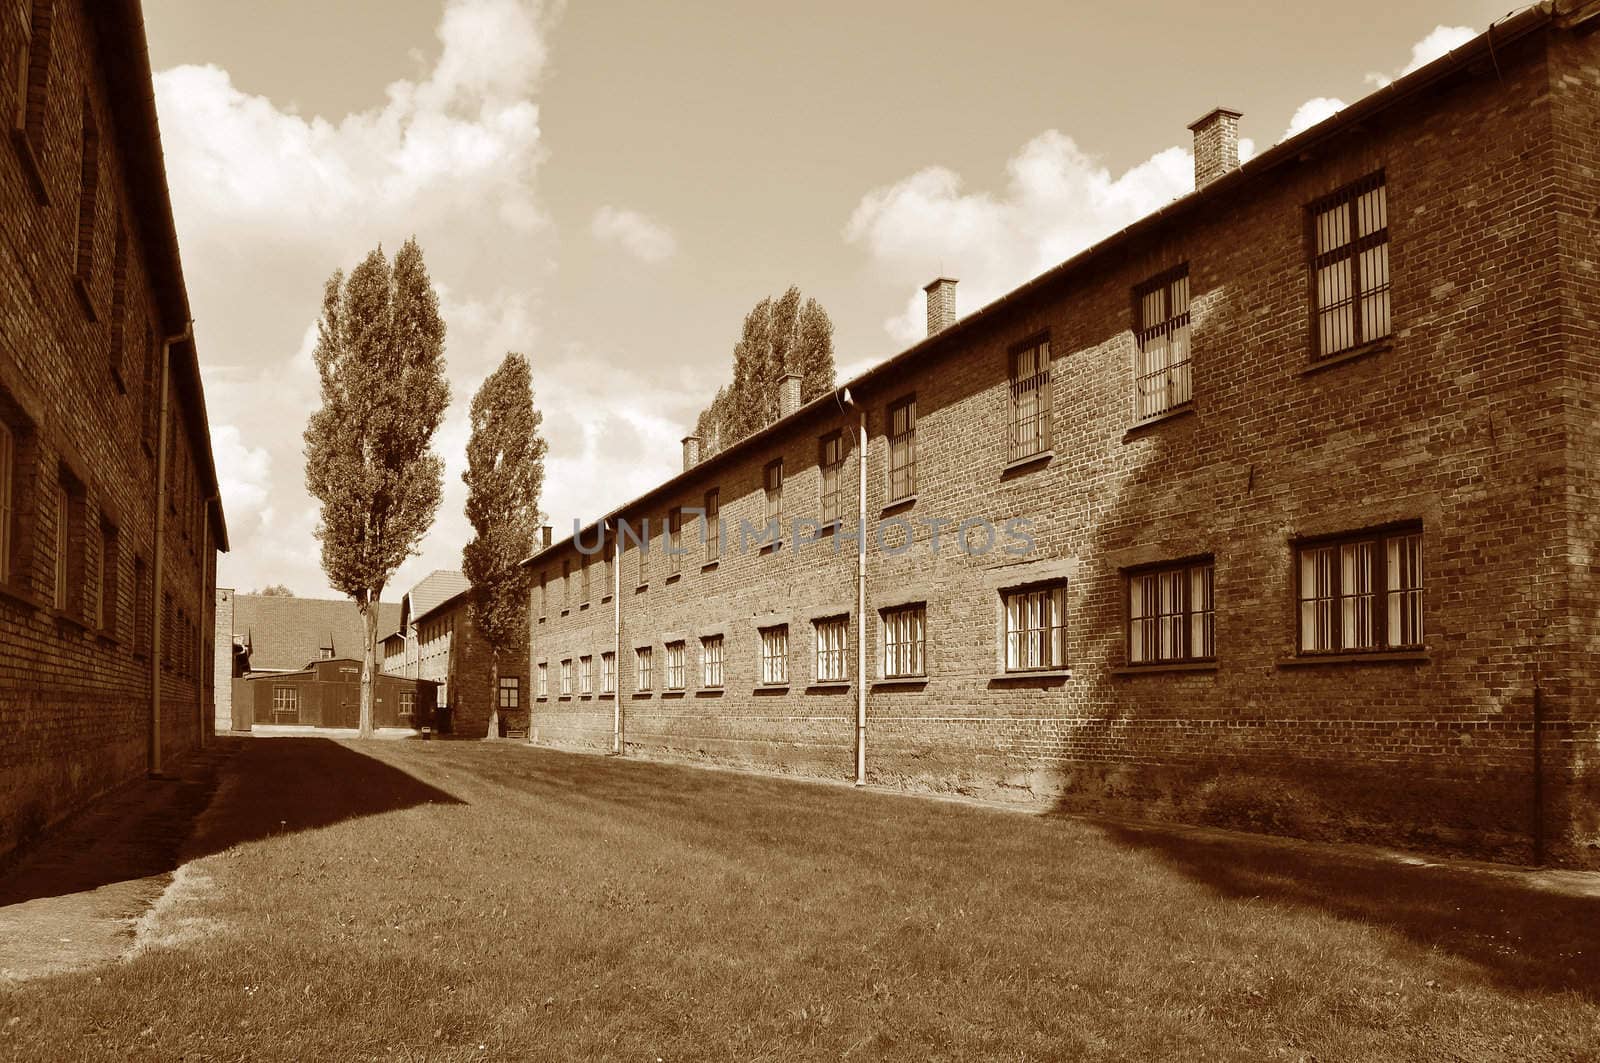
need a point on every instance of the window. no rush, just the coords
(8, 496)
(106, 613)
(1361, 593)
(326, 653)
(644, 664)
(830, 460)
(543, 673)
(34, 78)
(566, 587)
(675, 540)
(605, 571)
(119, 303)
(1036, 628)
(587, 590)
(285, 704)
(1030, 399)
(775, 655)
(773, 481)
(1162, 369)
(544, 596)
(408, 704)
(1170, 614)
(586, 674)
(831, 666)
(1350, 266)
(141, 608)
(904, 631)
(711, 661)
(675, 666)
(713, 525)
(642, 548)
(903, 449)
(70, 520)
(149, 397)
(566, 678)
(88, 197)
(608, 673)
(510, 691)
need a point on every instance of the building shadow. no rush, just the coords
(268, 786)
(1528, 931)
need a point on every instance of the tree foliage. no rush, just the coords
(380, 359)
(276, 590)
(504, 478)
(789, 334)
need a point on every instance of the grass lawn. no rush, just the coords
(443, 901)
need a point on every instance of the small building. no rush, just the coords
(328, 694)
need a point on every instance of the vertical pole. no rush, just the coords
(1538, 774)
(158, 560)
(200, 636)
(861, 596)
(616, 642)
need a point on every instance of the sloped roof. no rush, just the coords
(284, 634)
(438, 586)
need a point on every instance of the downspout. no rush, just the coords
(200, 636)
(861, 589)
(157, 561)
(616, 643)
(1538, 773)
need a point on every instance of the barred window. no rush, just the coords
(8, 492)
(1030, 400)
(34, 76)
(586, 674)
(510, 691)
(106, 602)
(88, 197)
(285, 704)
(904, 633)
(583, 565)
(566, 586)
(1036, 628)
(676, 679)
(831, 661)
(1350, 266)
(1361, 593)
(408, 703)
(775, 654)
(830, 460)
(713, 525)
(544, 679)
(566, 678)
(711, 661)
(1171, 614)
(773, 481)
(642, 548)
(903, 449)
(544, 596)
(675, 540)
(606, 575)
(608, 673)
(644, 666)
(1162, 372)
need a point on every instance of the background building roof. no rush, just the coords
(285, 634)
(435, 588)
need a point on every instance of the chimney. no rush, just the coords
(544, 536)
(788, 394)
(1216, 145)
(691, 452)
(941, 304)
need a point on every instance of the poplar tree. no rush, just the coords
(380, 360)
(504, 477)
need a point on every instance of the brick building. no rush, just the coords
(109, 518)
(1276, 509)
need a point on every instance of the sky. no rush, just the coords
(607, 188)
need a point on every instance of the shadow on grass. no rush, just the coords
(148, 827)
(1524, 937)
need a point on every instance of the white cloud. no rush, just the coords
(640, 236)
(1439, 40)
(1310, 113)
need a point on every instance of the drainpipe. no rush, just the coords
(616, 642)
(1538, 774)
(861, 588)
(200, 636)
(158, 561)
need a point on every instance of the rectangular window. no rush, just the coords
(775, 654)
(675, 666)
(141, 608)
(713, 525)
(544, 596)
(586, 675)
(831, 664)
(106, 618)
(1361, 593)
(587, 590)
(566, 587)
(1030, 400)
(643, 550)
(510, 691)
(34, 76)
(711, 661)
(1171, 614)
(904, 634)
(8, 493)
(643, 668)
(149, 397)
(675, 540)
(1162, 371)
(543, 673)
(830, 460)
(285, 704)
(71, 519)
(408, 704)
(1350, 266)
(566, 678)
(773, 481)
(606, 575)
(1036, 628)
(608, 673)
(88, 195)
(119, 303)
(903, 449)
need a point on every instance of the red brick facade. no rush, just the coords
(449, 651)
(92, 289)
(1474, 420)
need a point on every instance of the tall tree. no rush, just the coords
(504, 477)
(276, 590)
(789, 334)
(380, 357)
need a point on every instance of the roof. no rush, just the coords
(285, 633)
(431, 591)
(1499, 35)
(124, 55)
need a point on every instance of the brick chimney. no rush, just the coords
(788, 394)
(941, 304)
(1216, 145)
(691, 452)
(544, 535)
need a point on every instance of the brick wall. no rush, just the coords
(78, 352)
(450, 651)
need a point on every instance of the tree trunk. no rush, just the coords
(369, 614)
(494, 695)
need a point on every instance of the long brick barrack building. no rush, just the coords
(109, 515)
(1277, 509)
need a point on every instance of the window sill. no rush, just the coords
(604, 599)
(908, 682)
(673, 693)
(1171, 666)
(1381, 657)
(542, 697)
(641, 588)
(709, 566)
(1043, 675)
(825, 686)
(1352, 355)
(80, 285)
(564, 612)
(772, 688)
(30, 164)
(65, 619)
(582, 607)
(637, 694)
(1027, 464)
(13, 593)
(772, 547)
(1149, 423)
(564, 697)
(898, 504)
(541, 620)
(675, 577)
(708, 692)
(116, 378)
